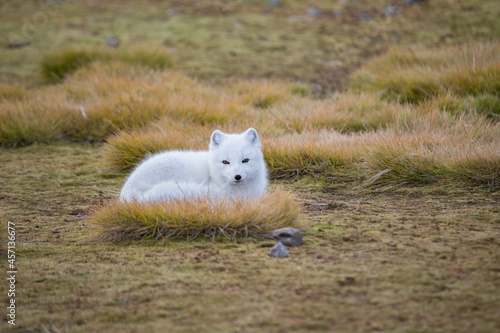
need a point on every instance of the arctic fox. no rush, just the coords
(233, 166)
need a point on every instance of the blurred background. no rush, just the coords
(316, 42)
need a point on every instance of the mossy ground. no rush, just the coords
(423, 259)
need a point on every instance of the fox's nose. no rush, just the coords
(237, 177)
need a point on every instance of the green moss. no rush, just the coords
(58, 64)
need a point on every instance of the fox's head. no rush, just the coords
(236, 159)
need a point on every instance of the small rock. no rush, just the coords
(288, 236)
(313, 12)
(364, 17)
(348, 281)
(334, 63)
(412, 2)
(18, 45)
(391, 10)
(279, 251)
(319, 256)
(171, 12)
(112, 41)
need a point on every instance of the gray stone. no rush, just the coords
(288, 236)
(364, 17)
(18, 45)
(112, 41)
(313, 12)
(279, 251)
(412, 2)
(391, 10)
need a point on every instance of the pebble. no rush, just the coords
(171, 12)
(279, 251)
(412, 2)
(364, 17)
(18, 45)
(391, 10)
(313, 12)
(112, 41)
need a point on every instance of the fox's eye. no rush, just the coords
(245, 160)
(225, 162)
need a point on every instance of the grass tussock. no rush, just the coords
(56, 65)
(450, 135)
(416, 74)
(418, 146)
(38, 119)
(311, 154)
(345, 112)
(436, 147)
(104, 99)
(11, 91)
(125, 150)
(195, 219)
(484, 104)
(262, 93)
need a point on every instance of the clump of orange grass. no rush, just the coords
(11, 91)
(262, 93)
(126, 149)
(332, 156)
(417, 73)
(344, 112)
(38, 119)
(199, 218)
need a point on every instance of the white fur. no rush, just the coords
(179, 174)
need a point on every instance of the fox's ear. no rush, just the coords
(216, 138)
(252, 135)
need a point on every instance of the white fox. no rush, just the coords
(233, 166)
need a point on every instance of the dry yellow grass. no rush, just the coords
(140, 110)
(345, 112)
(418, 146)
(189, 219)
(418, 73)
(262, 93)
(327, 154)
(11, 91)
(40, 118)
(125, 150)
